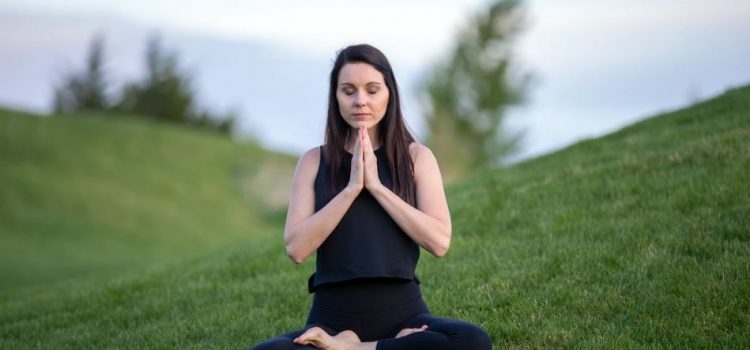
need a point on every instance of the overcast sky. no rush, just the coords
(600, 64)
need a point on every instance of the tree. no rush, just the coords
(468, 95)
(85, 90)
(165, 93)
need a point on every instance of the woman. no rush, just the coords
(366, 201)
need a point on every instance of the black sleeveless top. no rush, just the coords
(366, 243)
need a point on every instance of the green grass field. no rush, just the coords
(639, 239)
(91, 196)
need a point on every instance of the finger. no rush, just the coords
(358, 145)
(363, 135)
(367, 145)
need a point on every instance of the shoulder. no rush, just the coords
(420, 152)
(427, 176)
(424, 161)
(311, 154)
(309, 161)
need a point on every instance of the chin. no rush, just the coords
(358, 123)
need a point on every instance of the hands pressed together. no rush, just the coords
(364, 172)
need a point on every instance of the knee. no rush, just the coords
(474, 337)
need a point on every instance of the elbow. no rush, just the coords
(294, 255)
(296, 258)
(291, 251)
(441, 249)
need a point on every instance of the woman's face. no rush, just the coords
(362, 95)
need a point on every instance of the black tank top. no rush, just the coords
(366, 243)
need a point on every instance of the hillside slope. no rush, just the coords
(637, 239)
(95, 196)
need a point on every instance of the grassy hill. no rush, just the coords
(92, 196)
(637, 239)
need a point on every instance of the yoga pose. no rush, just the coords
(365, 201)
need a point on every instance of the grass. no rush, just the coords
(93, 196)
(639, 239)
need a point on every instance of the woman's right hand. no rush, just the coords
(357, 175)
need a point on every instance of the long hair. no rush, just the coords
(392, 131)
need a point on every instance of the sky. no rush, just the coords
(598, 65)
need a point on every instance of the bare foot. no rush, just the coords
(406, 331)
(318, 338)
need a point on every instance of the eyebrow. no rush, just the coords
(368, 84)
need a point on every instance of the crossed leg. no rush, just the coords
(439, 334)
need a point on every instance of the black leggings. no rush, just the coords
(376, 310)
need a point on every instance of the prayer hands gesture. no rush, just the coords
(364, 171)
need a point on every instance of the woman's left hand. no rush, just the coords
(372, 180)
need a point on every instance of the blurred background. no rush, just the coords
(95, 178)
(599, 64)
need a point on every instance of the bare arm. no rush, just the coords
(429, 224)
(305, 229)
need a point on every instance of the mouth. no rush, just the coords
(360, 115)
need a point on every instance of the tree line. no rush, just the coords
(466, 95)
(164, 93)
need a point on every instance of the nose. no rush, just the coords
(360, 100)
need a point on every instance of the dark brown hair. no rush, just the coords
(392, 131)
